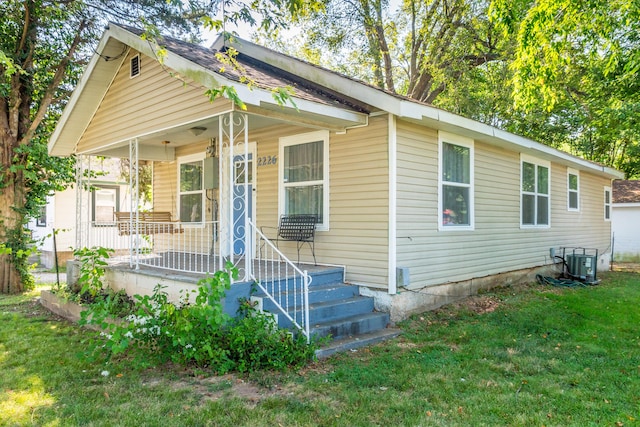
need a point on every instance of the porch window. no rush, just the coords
(304, 172)
(456, 182)
(607, 203)
(191, 191)
(534, 204)
(105, 203)
(573, 190)
(41, 220)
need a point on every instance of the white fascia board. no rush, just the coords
(66, 145)
(625, 205)
(331, 80)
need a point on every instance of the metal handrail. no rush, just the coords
(284, 284)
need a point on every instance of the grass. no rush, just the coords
(530, 355)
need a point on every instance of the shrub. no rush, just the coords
(199, 333)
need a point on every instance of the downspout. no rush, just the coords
(393, 169)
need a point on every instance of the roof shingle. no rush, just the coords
(626, 191)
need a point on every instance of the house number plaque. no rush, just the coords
(267, 160)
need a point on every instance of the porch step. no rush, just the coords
(352, 343)
(358, 324)
(336, 309)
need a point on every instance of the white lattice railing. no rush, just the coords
(192, 248)
(168, 245)
(284, 284)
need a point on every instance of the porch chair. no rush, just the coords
(299, 228)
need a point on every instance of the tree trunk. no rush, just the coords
(10, 220)
(10, 278)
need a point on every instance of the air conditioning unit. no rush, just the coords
(582, 266)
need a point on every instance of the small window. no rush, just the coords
(573, 190)
(191, 197)
(456, 182)
(304, 174)
(41, 221)
(105, 203)
(607, 203)
(535, 201)
(135, 66)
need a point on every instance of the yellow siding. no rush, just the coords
(359, 195)
(154, 100)
(497, 244)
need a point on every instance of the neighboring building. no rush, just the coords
(625, 217)
(109, 194)
(420, 205)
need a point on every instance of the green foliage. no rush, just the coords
(92, 263)
(197, 331)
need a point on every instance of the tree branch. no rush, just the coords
(53, 85)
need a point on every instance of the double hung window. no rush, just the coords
(573, 190)
(535, 195)
(456, 182)
(191, 189)
(304, 176)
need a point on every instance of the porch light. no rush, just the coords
(197, 130)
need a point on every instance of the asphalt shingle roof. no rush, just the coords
(626, 191)
(262, 75)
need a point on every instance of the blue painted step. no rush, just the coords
(351, 326)
(335, 308)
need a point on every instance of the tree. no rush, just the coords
(43, 46)
(419, 50)
(579, 61)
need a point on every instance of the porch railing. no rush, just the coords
(283, 282)
(192, 248)
(168, 245)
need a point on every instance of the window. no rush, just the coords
(304, 176)
(105, 203)
(535, 199)
(573, 190)
(607, 203)
(41, 221)
(456, 182)
(191, 190)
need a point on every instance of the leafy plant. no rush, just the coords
(92, 263)
(198, 331)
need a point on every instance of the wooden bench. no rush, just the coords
(300, 228)
(148, 223)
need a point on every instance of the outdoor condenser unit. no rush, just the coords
(582, 264)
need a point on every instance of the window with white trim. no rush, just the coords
(304, 176)
(191, 188)
(607, 203)
(455, 182)
(535, 201)
(573, 190)
(106, 202)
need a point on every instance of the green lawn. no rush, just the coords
(528, 356)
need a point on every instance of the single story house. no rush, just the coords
(107, 193)
(416, 205)
(625, 215)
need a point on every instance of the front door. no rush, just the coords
(243, 198)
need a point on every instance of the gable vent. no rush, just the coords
(135, 66)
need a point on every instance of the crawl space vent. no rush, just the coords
(135, 66)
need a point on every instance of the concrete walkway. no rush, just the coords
(48, 277)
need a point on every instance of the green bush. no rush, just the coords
(199, 333)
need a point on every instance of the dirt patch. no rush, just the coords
(481, 304)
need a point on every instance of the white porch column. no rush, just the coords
(79, 176)
(133, 198)
(233, 130)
